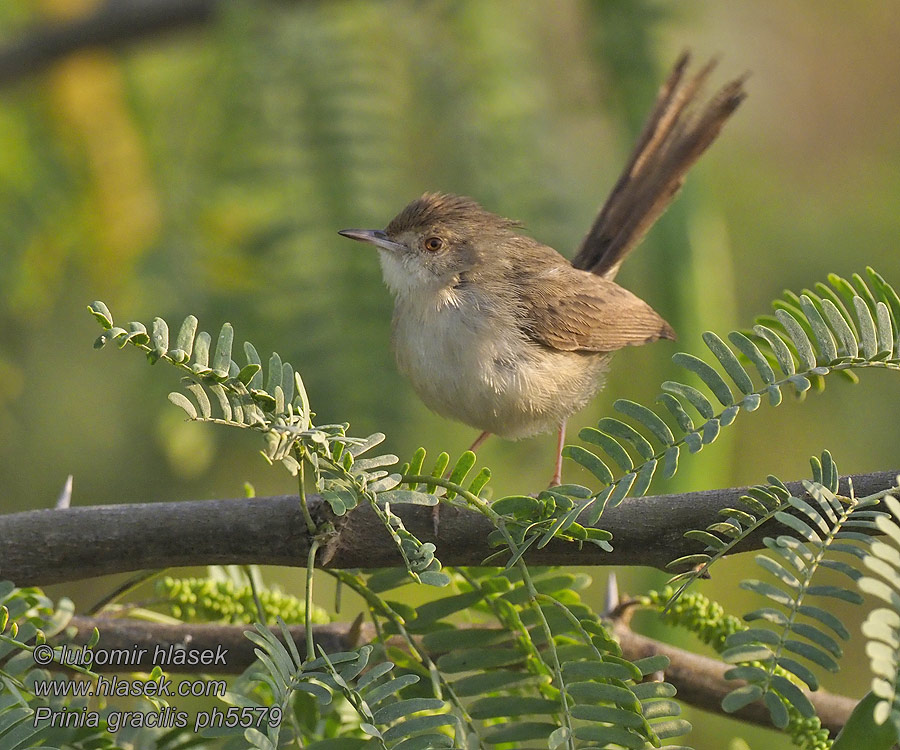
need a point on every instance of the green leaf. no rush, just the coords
(182, 402)
(778, 570)
(407, 497)
(782, 354)
(159, 337)
(463, 467)
(101, 314)
(836, 593)
(417, 724)
(799, 338)
(777, 710)
(846, 340)
(643, 479)
(863, 731)
(885, 334)
(729, 362)
(185, 339)
(253, 359)
(401, 708)
(610, 445)
(824, 342)
(497, 679)
(707, 374)
(650, 664)
(710, 431)
(599, 692)
(826, 618)
(671, 728)
(276, 370)
(741, 697)
(202, 399)
(812, 653)
(559, 738)
(798, 525)
(518, 731)
(694, 397)
(201, 352)
(767, 590)
(608, 714)
(867, 335)
(659, 429)
(589, 461)
(518, 506)
(248, 372)
(670, 462)
(222, 357)
(799, 670)
(492, 707)
(604, 736)
(685, 423)
(620, 490)
(746, 346)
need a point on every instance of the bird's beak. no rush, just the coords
(374, 237)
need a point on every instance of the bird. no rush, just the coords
(501, 332)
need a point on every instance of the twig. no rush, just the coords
(113, 22)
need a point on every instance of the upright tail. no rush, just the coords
(674, 137)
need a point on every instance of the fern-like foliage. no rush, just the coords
(838, 327)
(882, 626)
(388, 719)
(709, 621)
(27, 620)
(273, 401)
(794, 630)
(533, 664)
(761, 504)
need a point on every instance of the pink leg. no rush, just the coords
(557, 474)
(479, 440)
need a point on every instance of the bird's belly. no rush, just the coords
(500, 382)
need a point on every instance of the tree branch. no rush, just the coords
(112, 22)
(53, 546)
(699, 680)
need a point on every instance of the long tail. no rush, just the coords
(673, 138)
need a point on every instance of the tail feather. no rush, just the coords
(673, 138)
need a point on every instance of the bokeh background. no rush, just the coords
(206, 169)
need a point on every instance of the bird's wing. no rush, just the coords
(573, 310)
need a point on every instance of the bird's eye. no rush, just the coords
(434, 244)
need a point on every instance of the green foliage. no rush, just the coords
(226, 596)
(773, 658)
(273, 401)
(708, 621)
(882, 627)
(533, 663)
(835, 329)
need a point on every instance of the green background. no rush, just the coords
(207, 172)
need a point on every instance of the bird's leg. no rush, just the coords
(560, 441)
(479, 440)
(436, 510)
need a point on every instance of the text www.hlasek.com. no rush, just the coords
(161, 687)
(165, 717)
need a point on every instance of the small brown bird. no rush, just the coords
(503, 333)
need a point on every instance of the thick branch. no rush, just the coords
(52, 546)
(698, 679)
(112, 22)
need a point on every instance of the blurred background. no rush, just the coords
(203, 162)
